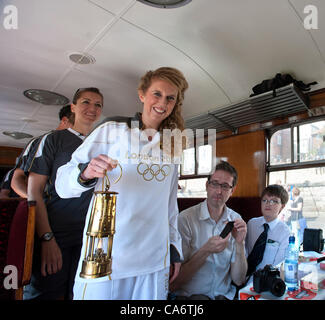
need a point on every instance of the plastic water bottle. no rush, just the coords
(291, 265)
(295, 232)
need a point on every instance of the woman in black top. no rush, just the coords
(59, 222)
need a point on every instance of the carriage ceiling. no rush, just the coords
(224, 48)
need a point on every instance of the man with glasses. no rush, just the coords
(211, 263)
(276, 233)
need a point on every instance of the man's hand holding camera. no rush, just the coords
(239, 231)
(216, 244)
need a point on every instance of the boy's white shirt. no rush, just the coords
(277, 240)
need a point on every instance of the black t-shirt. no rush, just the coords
(28, 155)
(25, 158)
(66, 216)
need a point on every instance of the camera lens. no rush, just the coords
(278, 287)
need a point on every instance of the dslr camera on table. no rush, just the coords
(268, 279)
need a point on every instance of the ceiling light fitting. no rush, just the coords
(46, 97)
(82, 58)
(165, 4)
(17, 135)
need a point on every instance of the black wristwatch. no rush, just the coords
(85, 183)
(47, 236)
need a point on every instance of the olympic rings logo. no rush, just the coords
(154, 171)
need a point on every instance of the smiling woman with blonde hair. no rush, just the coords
(146, 250)
(176, 78)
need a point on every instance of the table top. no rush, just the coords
(311, 277)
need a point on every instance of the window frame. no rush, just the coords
(196, 166)
(293, 164)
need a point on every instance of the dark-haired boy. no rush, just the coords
(274, 198)
(21, 170)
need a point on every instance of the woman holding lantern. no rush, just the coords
(146, 250)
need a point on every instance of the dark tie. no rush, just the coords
(256, 256)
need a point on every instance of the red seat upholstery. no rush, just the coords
(247, 207)
(7, 211)
(184, 203)
(17, 235)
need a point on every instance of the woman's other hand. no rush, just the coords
(98, 166)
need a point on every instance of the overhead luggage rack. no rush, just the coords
(264, 107)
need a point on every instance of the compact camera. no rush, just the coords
(268, 279)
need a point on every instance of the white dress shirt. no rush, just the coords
(196, 227)
(277, 240)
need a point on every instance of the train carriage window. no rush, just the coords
(197, 158)
(312, 141)
(311, 185)
(204, 159)
(298, 144)
(280, 147)
(297, 160)
(192, 188)
(188, 162)
(197, 164)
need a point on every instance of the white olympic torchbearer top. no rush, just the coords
(146, 206)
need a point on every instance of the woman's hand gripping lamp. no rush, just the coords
(97, 261)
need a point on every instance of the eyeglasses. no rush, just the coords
(92, 89)
(271, 202)
(224, 186)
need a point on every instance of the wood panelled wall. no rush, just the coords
(8, 156)
(246, 152)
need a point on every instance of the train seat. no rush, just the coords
(17, 227)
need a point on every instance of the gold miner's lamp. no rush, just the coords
(97, 261)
